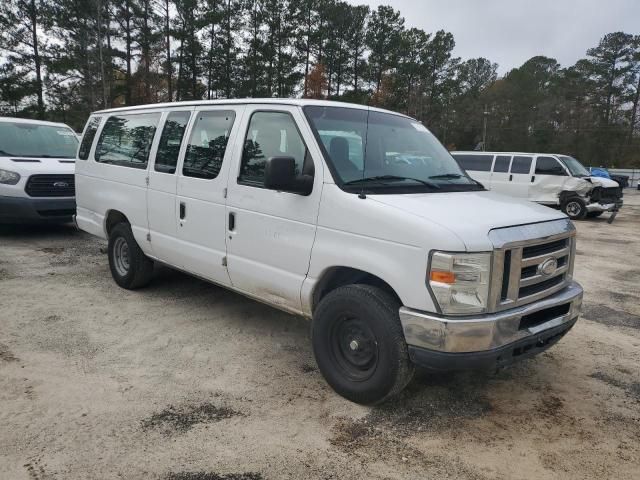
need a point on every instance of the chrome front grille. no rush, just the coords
(530, 262)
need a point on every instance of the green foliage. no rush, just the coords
(62, 59)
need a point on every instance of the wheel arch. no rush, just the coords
(112, 218)
(339, 276)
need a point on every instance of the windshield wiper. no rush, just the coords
(382, 178)
(447, 176)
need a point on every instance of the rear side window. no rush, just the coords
(87, 139)
(549, 166)
(477, 163)
(271, 134)
(170, 142)
(126, 140)
(208, 144)
(521, 164)
(502, 164)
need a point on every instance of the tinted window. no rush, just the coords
(502, 164)
(126, 140)
(87, 139)
(477, 163)
(521, 164)
(170, 141)
(549, 166)
(208, 144)
(270, 134)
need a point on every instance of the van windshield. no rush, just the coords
(574, 166)
(19, 139)
(384, 153)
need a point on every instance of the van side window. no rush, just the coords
(271, 134)
(502, 164)
(170, 141)
(126, 140)
(521, 164)
(477, 163)
(549, 166)
(207, 144)
(87, 139)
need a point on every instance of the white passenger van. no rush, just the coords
(355, 217)
(36, 171)
(549, 179)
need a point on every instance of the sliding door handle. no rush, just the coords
(533, 178)
(510, 178)
(183, 210)
(232, 221)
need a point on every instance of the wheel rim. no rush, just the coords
(354, 348)
(573, 209)
(121, 256)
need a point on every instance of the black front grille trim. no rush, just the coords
(545, 248)
(544, 315)
(540, 287)
(44, 186)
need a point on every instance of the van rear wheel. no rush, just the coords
(130, 267)
(359, 344)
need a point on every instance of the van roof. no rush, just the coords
(475, 152)
(251, 101)
(31, 121)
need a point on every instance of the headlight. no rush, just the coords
(460, 281)
(9, 178)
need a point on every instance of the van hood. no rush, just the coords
(37, 165)
(603, 182)
(471, 215)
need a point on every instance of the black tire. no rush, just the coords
(375, 367)
(575, 208)
(594, 214)
(136, 270)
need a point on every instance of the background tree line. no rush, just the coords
(62, 59)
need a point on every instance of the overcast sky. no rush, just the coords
(509, 32)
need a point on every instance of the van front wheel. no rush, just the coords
(130, 267)
(359, 345)
(575, 208)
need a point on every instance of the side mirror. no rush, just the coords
(280, 174)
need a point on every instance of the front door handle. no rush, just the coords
(183, 210)
(232, 221)
(510, 178)
(533, 178)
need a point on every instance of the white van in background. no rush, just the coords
(36, 171)
(355, 217)
(554, 180)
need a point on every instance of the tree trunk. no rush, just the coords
(127, 92)
(33, 14)
(167, 34)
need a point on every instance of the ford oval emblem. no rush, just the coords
(60, 184)
(548, 267)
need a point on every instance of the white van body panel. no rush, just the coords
(283, 244)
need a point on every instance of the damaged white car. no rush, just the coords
(554, 180)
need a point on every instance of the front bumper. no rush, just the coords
(492, 340)
(36, 210)
(604, 207)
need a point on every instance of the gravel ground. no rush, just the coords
(184, 381)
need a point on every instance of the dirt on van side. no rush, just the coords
(185, 381)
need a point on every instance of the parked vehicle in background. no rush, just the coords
(549, 179)
(355, 217)
(622, 180)
(36, 171)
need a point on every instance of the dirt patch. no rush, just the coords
(630, 276)
(181, 419)
(619, 297)
(609, 316)
(414, 410)
(212, 476)
(307, 368)
(632, 389)
(6, 355)
(53, 250)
